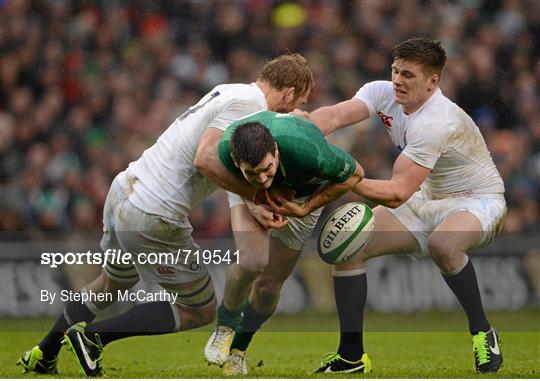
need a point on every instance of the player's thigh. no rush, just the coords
(390, 236)
(464, 224)
(459, 232)
(281, 264)
(286, 245)
(296, 234)
(251, 239)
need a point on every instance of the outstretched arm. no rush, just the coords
(340, 115)
(407, 176)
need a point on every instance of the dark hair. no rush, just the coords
(424, 51)
(251, 142)
(288, 70)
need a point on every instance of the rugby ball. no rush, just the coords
(345, 232)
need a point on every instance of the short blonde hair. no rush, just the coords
(288, 70)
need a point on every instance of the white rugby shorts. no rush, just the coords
(133, 231)
(296, 233)
(421, 214)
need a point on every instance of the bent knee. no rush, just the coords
(355, 263)
(253, 266)
(207, 314)
(440, 247)
(191, 317)
(446, 255)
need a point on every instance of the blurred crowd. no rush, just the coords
(86, 86)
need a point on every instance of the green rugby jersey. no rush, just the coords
(306, 159)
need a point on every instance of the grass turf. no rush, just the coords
(427, 345)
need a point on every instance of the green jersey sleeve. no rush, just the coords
(335, 164)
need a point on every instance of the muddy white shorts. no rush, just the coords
(421, 214)
(159, 246)
(296, 233)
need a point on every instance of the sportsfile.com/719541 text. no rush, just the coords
(182, 256)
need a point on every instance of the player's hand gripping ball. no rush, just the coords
(345, 232)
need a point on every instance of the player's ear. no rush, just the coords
(434, 81)
(288, 96)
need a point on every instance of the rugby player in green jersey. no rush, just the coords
(278, 154)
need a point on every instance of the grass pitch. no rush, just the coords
(427, 345)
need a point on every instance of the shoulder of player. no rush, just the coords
(384, 85)
(240, 93)
(380, 86)
(378, 96)
(432, 123)
(439, 111)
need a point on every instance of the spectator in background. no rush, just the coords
(86, 87)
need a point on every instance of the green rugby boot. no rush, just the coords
(89, 352)
(487, 353)
(32, 361)
(334, 363)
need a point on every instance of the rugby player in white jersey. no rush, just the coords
(147, 210)
(445, 196)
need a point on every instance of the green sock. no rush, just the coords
(250, 324)
(227, 317)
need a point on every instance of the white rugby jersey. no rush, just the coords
(164, 180)
(439, 136)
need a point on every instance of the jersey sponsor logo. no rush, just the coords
(165, 270)
(345, 170)
(387, 120)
